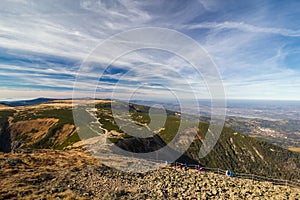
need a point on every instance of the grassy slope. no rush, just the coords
(49, 140)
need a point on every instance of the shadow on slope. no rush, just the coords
(150, 148)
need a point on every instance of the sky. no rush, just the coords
(255, 46)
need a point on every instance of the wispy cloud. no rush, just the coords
(44, 43)
(244, 27)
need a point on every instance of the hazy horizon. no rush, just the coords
(70, 98)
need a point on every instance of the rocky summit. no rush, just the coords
(74, 174)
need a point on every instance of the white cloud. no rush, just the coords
(248, 54)
(244, 27)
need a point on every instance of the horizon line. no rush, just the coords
(204, 99)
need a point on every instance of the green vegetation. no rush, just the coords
(69, 141)
(245, 154)
(113, 140)
(140, 117)
(107, 121)
(24, 115)
(171, 129)
(47, 141)
(64, 115)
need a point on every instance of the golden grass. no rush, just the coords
(295, 149)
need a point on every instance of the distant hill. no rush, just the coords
(53, 128)
(26, 102)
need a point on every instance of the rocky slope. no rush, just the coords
(53, 174)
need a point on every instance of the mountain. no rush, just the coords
(26, 102)
(50, 125)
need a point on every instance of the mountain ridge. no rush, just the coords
(233, 150)
(28, 102)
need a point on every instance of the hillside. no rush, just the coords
(50, 125)
(54, 174)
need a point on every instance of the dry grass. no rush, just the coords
(295, 149)
(32, 175)
(4, 107)
(29, 127)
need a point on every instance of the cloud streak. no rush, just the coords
(244, 27)
(44, 43)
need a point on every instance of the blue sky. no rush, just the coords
(254, 44)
